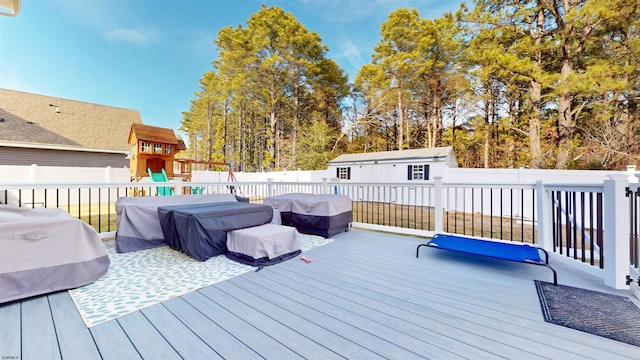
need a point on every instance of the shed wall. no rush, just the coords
(387, 171)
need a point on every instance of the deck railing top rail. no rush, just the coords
(422, 207)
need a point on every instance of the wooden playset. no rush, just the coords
(153, 151)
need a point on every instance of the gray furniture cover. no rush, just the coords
(200, 230)
(323, 215)
(137, 218)
(263, 245)
(45, 250)
(282, 204)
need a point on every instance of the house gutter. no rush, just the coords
(376, 161)
(60, 147)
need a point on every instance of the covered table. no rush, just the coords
(200, 230)
(137, 218)
(45, 250)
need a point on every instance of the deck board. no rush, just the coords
(144, 337)
(39, 339)
(226, 345)
(365, 295)
(74, 340)
(348, 310)
(398, 298)
(176, 333)
(285, 338)
(113, 342)
(210, 302)
(10, 330)
(366, 304)
(325, 343)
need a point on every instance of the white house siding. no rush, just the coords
(48, 157)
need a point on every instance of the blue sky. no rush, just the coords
(148, 55)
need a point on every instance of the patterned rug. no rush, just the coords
(611, 316)
(140, 279)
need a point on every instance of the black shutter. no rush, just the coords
(426, 172)
(410, 172)
(349, 173)
(337, 173)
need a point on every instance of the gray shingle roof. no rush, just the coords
(16, 129)
(33, 119)
(395, 155)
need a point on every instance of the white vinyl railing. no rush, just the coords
(566, 219)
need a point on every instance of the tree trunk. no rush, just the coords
(565, 118)
(296, 112)
(241, 140)
(273, 146)
(400, 121)
(209, 131)
(486, 135)
(535, 94)
(225, 111)
(436, 120)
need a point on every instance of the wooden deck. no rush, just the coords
(364, 296)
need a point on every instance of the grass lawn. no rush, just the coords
(423, 218)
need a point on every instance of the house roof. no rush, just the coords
(9, 7)
(408, 154)
(153, 134)
(45, 120)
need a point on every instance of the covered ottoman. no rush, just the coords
(263, 245)
(200, 230)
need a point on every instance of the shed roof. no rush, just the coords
(408, 154)
(39, 119)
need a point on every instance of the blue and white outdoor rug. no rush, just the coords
(140, 279)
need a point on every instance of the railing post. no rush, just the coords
(178, 186)
(33, 173)
(437, 204)
(269, 187)
(545, 223)
(616, 231)
(325, 186)
(333, 186)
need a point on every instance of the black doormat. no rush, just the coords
(611, 316)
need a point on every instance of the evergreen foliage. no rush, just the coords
(541, 83)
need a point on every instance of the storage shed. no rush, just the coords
(393, 166)
(152, 148)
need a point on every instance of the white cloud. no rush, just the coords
(350, 51)
(135, 36)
